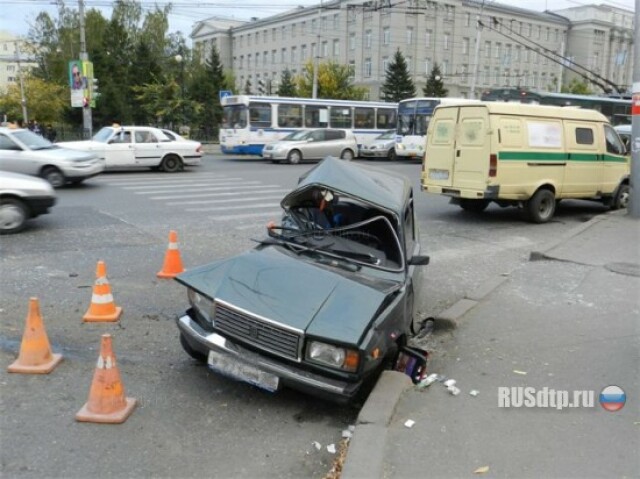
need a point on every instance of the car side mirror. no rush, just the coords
(419, 261)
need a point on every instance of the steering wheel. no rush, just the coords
(362, 237)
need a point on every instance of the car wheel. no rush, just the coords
(197, 355)
(392, 155)
(621, 199)
(294, 157)
(347, 155)
(54, 176)
(171, 164)
(541, 207)
(474, 206)
(13, 215)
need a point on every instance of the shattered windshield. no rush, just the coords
(327, 223)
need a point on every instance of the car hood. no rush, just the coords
(290, 290)
(63, 153)
(86, 145)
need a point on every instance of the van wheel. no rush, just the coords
(474, 206)
(621, 199)
(294, 157)
(347, 155)
(541, 207)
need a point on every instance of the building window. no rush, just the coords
(487, 49)
(293, 30)
(427, 66)
(497, 50)
(314, 25)
(303, 53)
(265, 56)
(409, 61)
(284, 32)
(409, 36)
(445, 41)
(283, 56)
(352, 69)
(274, 54)
(336, 48)
(367, 68)
(352, 41)
(273, 34)
(516, 56)
(427, 38)
(367, 39)
(325, 49)
(336, 21)
(385, 65)
(467, 19)
(465, 46)
(386, 36)
(445, 67)
(241, 62)
(294, 52)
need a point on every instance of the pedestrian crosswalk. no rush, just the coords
(217, 197)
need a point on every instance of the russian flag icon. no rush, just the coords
(612, 398)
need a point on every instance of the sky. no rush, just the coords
(18, 15)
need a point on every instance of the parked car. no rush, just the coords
(324, 302)
(312, 145)
(22, 197)
(125, 147)
(22, 151)
(383, 146)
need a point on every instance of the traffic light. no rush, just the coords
(261, 87)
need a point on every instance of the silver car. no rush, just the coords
(22, 151)
(21, 198)
(383, 146)
(312, 145)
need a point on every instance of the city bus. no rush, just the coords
(616, 109)
(249, 122)
(413, 119)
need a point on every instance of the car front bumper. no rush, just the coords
(374, 153)
(291, 376)
(85, 171)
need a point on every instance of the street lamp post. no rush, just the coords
(180, 60)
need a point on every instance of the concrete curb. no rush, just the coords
(365, 457)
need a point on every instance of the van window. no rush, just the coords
(290, 116)
(614, 144)
(386, 118)
(316, 116)
(442, 132)
(340, 117)
(364, 117)
(584, 136)
(260, 115)
(471, 131)
(546, 134)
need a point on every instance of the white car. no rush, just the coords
(22, 151)
(21, 198)
(138, 147)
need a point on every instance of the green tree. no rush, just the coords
(287, 86)
(398, 84)
(435, 86)
(334, 81)
(577, 87)
(46, 101)
(207, 81)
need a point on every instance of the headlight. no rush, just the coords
(400, 146)
(202, 304)
(334, 356)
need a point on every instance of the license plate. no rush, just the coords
(225, 365)
(268, 155)
(438, 174)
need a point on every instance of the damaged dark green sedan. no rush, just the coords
(324, 302)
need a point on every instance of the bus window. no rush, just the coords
(316, 116)
(290, 116)
(234, 116)
(340, 117)
(386, 118)
(260, 115)
(364, 117)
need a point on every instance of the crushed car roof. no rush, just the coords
(378, 187)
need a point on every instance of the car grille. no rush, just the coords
(257, 332)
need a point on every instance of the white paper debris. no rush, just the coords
(346, 434)
(449, 382)
(331, 448)
(317, 445)
(474, 392)
(521, 373)
(409, 423)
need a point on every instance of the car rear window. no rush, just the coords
(335, 135)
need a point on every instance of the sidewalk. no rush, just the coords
(569, 320)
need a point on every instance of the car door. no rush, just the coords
(335, 142)
(584, 161)
(315, 146)
(14, 158)
(147, 148)
(119, 151)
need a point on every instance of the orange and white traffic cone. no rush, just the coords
(102, 308)
(35, 355)
(107, 401)
(172, 266)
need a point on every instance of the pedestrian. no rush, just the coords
(36, 128)
(50, 133)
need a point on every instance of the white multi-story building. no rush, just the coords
(9, 73)
(514, 46)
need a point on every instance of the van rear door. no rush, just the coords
(472, 149)
(438, 162)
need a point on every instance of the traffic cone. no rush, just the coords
(172, 266)
(102, 307)
(107, 401)
(35, 355)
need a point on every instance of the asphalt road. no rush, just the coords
(191, 422)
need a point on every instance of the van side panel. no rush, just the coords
(584, 171)
(472, 149)
(437, 170)
(530, 155)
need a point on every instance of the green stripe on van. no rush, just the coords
(540, 156)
